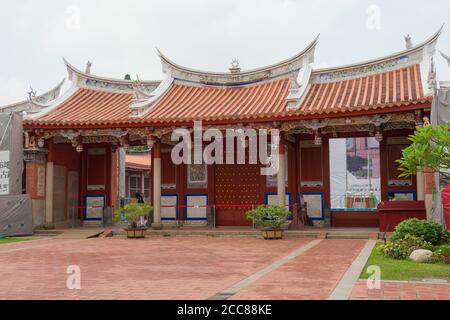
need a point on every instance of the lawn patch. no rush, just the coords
(16, 239)
(404, 270)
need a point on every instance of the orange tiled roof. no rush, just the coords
(388, 89)
(139, 161)
(90, 107)
(188, 103)
(184, 103)
(396, 88)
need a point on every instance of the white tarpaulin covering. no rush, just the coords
(15, 209)
(440, 114)
(343, 182)
(15, 215)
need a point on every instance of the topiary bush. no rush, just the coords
(430, 231)
(271, 217)
(402, 248)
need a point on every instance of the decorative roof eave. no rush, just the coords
(299, 87)
(85, 80)
(446, 57)
(140, 107)
(287, 66)
(445, 84)
(49, 107)
(136, 166)
(37, 102)
(141, 124)
(420, 53)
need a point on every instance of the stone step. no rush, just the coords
(350, 235)
(252, 233)
(47, 233)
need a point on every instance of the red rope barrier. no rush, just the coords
(221, 205)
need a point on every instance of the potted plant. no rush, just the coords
(270, 219)
(134, 214)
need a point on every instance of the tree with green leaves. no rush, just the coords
(430, 148)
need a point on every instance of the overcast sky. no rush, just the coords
(120, 37)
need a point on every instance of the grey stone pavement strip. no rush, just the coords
(227, 293)
(344, 288)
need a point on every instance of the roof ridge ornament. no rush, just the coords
(31, 94)
(235, 66)
(88, 67)
(408, 42)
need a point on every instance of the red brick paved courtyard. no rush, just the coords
(181, 268)
(116, 268)
(311, 276)
(394, 290)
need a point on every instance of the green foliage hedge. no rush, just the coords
(416, 234)
(430, 231)
(402, 248)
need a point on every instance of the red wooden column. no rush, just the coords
(326, 175)
(281, 176)
(115, 199)
(49, 187)
(157, 222)
(384, 175)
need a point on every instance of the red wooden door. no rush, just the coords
(238, 189)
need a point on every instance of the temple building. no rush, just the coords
(342, 129)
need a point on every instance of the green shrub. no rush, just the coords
(439, 253)
(430, 231)
(402, 248)
(269, 217)
(132, 213)
(445, 237)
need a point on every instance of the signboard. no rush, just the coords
(94, 207)
(169, 204)
(315, 205)
(196, 207)
(41, 181)
(4, 172)
(272, 199)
